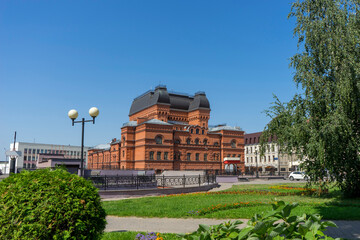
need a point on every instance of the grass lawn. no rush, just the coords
(241, 201)
(132, 235)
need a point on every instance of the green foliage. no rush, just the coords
(46, 204)
(322, 123)
(276, 224)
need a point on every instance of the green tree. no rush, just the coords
(322, 123)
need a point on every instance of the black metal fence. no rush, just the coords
(150, 181)
(121, 182)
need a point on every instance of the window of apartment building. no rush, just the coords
(158, 155)
(205, 156)
(251, 159)
(45, 151)
(268, 147)
(25, 150)
(255, 159)
(273, 158)
(197, 141)
(57, 151)
(197, 156)
(24, 165)
(37, 151)
(188, 156)
(158, 140)
(42, 151)
(33, 158)
(188, 141)
(272, 148)
(177, 141)
(265, 159)
(205, 141)
(250, 149)
(151, 155)
(246, 140)
(24, 158)
(33, 165)
(238, 155)
(29, 151)
(247, 150)
(216, 144)
(247, 159)
(34, 150)
(233, 144)
(191, 130)
(268, 158)
(197, 131)
(202, 132)
(166, 155)
(234, 155)
(228, 155)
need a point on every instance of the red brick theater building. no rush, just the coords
(169, 131)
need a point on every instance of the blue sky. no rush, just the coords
(60, 55)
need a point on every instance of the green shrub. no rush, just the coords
(277, 224)
(50, 204)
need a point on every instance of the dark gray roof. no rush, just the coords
(177, 101)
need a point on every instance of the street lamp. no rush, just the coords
(257, 173)
(73, 114)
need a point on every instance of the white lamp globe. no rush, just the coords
(94, 112)
(73, 114)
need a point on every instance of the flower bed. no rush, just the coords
(220, 207)
(298, 191)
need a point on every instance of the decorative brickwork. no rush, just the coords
(169, 131)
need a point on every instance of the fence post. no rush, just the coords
(163, 181)
(184, 180)
(137, 182)
(199, 180)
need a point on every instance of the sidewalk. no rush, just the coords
(346, 229)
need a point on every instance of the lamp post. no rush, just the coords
(256, 161)
(73, 114)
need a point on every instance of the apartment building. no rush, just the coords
(273, 159)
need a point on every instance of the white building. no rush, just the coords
(272, 159)
(29, 154)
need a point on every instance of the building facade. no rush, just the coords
(273, 159)
(170, 131)
(30, 153)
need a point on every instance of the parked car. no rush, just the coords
(298, 176)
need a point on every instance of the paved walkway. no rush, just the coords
(346, 229)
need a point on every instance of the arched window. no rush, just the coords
(158, 140)
(191, 130)
(197, 141)
(188, 141)
(233, 144)
(205, 141)
(197, 131)
(123, 141)
(202, 132)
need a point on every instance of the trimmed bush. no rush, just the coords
(50, 204)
